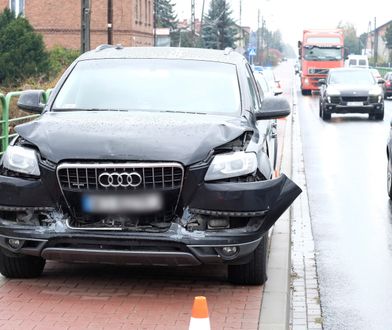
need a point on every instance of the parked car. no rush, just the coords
(272, 81)
(387, 85)
(265, 91)
(144, 156)
(349, 90)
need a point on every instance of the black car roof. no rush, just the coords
(113, 52)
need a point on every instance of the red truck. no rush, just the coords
(319, 51)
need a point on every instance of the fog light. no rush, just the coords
(330, 107)
(218, 223)
(229, 251)
(15, 243)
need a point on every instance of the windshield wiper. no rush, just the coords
(187, 112)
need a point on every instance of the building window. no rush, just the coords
(17, 7)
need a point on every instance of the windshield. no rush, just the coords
(151, 85)
(360, 77)
(315, 53)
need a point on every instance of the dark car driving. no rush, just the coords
(351, 91)
(145, 156)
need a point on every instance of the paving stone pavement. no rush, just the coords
(305, 296)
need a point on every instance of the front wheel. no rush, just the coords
(325, 115)
(389, 179)
(379, 115)
(20, 266)
(255, 271)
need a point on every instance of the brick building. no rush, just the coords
(60, 21)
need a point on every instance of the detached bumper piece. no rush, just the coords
(269, 198)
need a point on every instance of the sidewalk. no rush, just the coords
(291, 296)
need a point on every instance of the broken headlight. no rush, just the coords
(231, 165)
(22, 160)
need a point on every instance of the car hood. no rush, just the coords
(349, 89)
(140, 136)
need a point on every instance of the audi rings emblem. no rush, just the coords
(123, 179)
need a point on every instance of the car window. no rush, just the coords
(357, 77)
(362, 62)
(253, 89)
(151, 85)
(263, 83)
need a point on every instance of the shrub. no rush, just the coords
(22, 51)
(60, 58)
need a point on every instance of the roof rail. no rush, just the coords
(228, 50)
(106, 46)
(102, 47)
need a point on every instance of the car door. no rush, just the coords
(265, 128)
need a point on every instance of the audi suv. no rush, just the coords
(145, 156)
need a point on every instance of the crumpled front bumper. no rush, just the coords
(258, 203)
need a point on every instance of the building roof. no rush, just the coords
(382, 26)
(107, 51)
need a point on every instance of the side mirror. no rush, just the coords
(273, 108)
(32, 101)
(321, 82)
(380, 81)
(278, 91)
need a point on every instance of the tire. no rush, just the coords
(20, 266)
(320, 110)
(325, 115)
(389, 179)
(255, 271)
(379, 115)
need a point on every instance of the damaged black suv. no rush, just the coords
(145, 156)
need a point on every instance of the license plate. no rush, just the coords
(355, 104)
(139, 203)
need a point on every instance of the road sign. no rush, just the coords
(252, 52)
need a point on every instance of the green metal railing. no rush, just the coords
(383, 70)
(5, 121)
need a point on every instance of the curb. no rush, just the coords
(275, 307)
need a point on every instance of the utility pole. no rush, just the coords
(85, 26)
(375, 42)
(155, 17)
(110, 22)
(258, 36)
(193, 19)
(242, 44)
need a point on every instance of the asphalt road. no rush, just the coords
(345, 164)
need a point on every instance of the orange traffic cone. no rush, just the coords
(199, 318)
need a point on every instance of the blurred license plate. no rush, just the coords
(355, 104)
(122, 203)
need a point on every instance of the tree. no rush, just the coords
(351, 41)
(22, 51)
(165, 14)
(388, 40)
(219, 29)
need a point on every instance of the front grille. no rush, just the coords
(354, 98)
(142, 176)
(335, 99)
(318, 71)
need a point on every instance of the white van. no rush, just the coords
(358, 61)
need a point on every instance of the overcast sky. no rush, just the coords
(293, 16)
